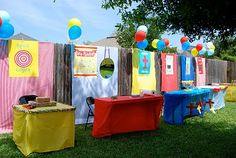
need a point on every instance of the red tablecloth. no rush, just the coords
(126, 114)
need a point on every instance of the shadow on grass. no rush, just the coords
(208, 136)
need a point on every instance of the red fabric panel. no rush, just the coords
(169, 82)
(126, 114)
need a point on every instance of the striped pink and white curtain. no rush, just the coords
(12, 88)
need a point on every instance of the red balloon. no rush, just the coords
(199, 47)
(140, 36)
(183, 39)
(166, 41)
(0, 22)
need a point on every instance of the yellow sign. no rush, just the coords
(23, 58)
(85, 61)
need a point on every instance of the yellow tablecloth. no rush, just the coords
(231, 93)
(43, 129)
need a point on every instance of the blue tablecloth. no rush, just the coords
(176, 102)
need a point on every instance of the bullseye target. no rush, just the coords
(23, 58)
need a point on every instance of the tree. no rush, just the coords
(226, 49)
(194, 18)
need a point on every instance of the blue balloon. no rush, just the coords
(6, 30)
(160, 45)
(143, 44)
(74, 32)
(185, 46)
(203, 51)
(210, 52)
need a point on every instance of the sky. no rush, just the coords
(48, 21)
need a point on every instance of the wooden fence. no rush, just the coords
(62, 74)
(217, 71)
(124, 71)
(231, 71)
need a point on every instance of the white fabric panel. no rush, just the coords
(82, 87)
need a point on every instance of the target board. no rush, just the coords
(23, 58)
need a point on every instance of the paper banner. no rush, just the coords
(200, 71)
(188, 72)
(144, 62)
(85, 61)
(200, 65)
(23, 58)
(169, 65)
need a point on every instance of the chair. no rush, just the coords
(24, 99)
(90, 102)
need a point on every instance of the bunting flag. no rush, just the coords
(200, 71)
(144, 62)
(23, 58)
(169, 72)
(142, 81)
(85, 61)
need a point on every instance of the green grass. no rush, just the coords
(213, 135)
(106, 71)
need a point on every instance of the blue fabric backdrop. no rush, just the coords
(187, 70)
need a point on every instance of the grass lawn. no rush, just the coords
(214, 135)
(106, 71)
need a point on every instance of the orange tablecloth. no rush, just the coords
(126, 114)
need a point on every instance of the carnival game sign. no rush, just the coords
(200, 65)
(85, 61)
(169, 65)
(144, 62)
(23, 58)
(188, 62)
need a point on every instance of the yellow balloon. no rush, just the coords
(154, 43)
(74, 21)
(194, 52)
(212, 47)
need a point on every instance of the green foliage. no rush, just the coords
(127, 30)
(194, 18)
(133, 18)
(226, 48)
(210, 136)
(170, 50)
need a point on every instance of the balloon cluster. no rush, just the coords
(185, 43)
(160, 44)
(6, 29)
(211, 48)
(199, 49)
(140, 37)
(74, 31)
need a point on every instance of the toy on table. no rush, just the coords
(39, 102)
(187, 85)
